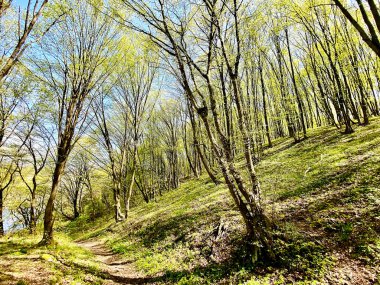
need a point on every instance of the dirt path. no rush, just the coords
(118, 271)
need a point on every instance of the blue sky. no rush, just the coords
(21, 3)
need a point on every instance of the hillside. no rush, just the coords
(323, 193)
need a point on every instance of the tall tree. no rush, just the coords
(74, 62)
(133, 90)
(194, 67)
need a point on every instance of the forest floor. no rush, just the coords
(83, 262)
(115, 268)
(323, 193)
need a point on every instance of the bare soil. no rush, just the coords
(116, 269)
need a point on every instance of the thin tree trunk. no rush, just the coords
(298, 98)
(129, 194)
(32, 225)
(198, 147)
(76, 202)
(267, 132)
(117, 206)
(1, 214)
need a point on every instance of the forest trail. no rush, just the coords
(116, 269)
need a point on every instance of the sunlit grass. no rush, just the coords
(323, 193)
(59, 263)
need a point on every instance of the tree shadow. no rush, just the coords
(213, 272)
(11, 247)
(297, 257)
(352, 172)
(270, 152)
(177, 226)
(343, 212)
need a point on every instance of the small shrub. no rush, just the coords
(23, 250)
(191, 280)
(303, 257)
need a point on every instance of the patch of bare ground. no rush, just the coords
(350, 271)
(29, 268)
(114, 268)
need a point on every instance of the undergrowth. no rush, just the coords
(323, 194)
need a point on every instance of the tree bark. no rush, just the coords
(296, 91)
(197, 146)
(267, 132)
(47, 238)
(32, 225)
(1, 214)
(129, 194)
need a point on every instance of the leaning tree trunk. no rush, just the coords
(49, 211)
(198, 148)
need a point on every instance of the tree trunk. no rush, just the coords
(354, 110)
(342, 105)
(47, 238)
(32, 225)
(284, 96)
(198, 148)
(363, 103)
(298, 98)
(267, 132)
(129, 194)
(75, 205)
(187, 153)
(119, 216)
(1, 214)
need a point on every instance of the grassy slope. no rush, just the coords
(22, 262)
(323, 192)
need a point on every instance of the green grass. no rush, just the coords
(27, 263)
(323, 194)
(331, 182)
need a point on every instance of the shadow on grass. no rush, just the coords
(304, 258)
(287, 145)
(353, 172)
(351, 221)
(11, 247)
(177, 226)
(319, 182)
(213, 272)
(344, 210)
